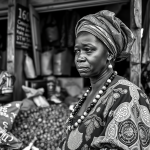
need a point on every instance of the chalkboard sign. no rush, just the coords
(23, 29)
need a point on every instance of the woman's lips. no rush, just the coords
(83, 69)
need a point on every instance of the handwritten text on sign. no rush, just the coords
(23, 29)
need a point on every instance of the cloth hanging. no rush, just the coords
(50, 33)
(145, 75)
(67, 26)
(145, 79)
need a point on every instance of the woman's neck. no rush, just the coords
(98, 82)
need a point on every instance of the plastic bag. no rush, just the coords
(62, 63)
(29, 68)
(31, 92)
(8, 114)
(36, 95)
(46, 63)
(8, 140)
(40, 101)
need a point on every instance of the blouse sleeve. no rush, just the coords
(127, 120)
(6, 82)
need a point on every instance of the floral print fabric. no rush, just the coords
(119, 121)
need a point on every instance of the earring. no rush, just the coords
(110, 65)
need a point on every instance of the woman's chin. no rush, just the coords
(84, 75)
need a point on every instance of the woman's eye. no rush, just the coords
(76, 51)
(88, 50)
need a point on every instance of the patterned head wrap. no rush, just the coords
(110, 30)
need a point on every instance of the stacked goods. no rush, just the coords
(46, 124)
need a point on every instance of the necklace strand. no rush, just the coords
(69, 123)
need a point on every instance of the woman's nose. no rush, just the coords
(81, 58)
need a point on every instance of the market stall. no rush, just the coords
(44, 56)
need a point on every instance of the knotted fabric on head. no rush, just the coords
(110, 30)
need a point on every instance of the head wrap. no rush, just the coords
(110, 30)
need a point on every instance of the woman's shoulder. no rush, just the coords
(121, 81)
(122, 84)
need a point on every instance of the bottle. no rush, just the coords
(51, 86)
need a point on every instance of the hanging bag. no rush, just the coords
(29, 67)
(62, 63)
(46, 63)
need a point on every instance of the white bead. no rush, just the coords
(104, 87)
(94, 101)
(87, 91)
(85, 113)
(100, 92)
(82, 117)
(109, 81)
(85, 94)
(97, 96)
(79, 120)
(116, 72)
(76, 124)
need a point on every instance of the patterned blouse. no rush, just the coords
(119, 121)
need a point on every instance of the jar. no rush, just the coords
(51, 87)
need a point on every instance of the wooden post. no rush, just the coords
(135, 25)
(15, 56)
(11, 37)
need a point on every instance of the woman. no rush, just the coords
(113, 113)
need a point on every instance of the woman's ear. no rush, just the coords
(110, 60)
(109, 57)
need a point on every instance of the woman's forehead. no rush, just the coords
(86, 37)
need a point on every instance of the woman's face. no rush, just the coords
(90, 55)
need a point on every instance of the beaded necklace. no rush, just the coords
(69, 122)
